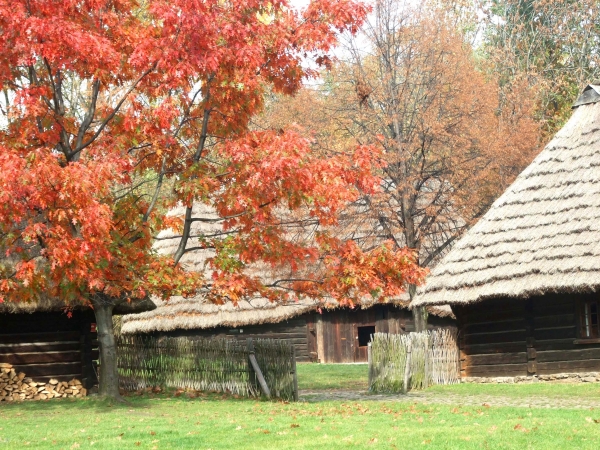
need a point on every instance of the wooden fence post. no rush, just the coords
(426, 368)
(295, 373)
(255, 366)
(370, 360)
(407, 368)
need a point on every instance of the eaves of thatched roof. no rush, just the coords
(541, 236)
(196, 313)
(52, 304)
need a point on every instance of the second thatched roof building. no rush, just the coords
(524, 281)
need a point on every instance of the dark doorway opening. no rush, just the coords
(364, 335)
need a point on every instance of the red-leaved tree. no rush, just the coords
(115, 111)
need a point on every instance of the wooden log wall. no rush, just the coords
(293, 331)
(511, 337)
(50, 345)
(557, 345)
(337, 338)
(492, 338)
(339, 335)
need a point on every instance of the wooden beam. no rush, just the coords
(41, 358)
(256, 368)
(295, 373)
(407, 369)
(320, 338)
(259, 375)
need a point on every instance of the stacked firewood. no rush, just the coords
(17, 386)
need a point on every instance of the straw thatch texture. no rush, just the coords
(48, 304)
(542, 235)
(198, 313)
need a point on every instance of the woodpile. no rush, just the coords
(17, 386)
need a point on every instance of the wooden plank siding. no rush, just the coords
(516, 337)
(50, 345)
(337, 334)
(492, 339)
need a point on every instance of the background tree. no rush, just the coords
(107, 103)
(549, 45)
(410, 84)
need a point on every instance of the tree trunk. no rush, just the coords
(419, 312)
(109, 377)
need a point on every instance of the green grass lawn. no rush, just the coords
(355, 376)
(332, 376)
(222, 422)
(550, 390)
(214, 422)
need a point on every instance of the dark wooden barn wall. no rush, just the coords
(508, 337)
(293, 330)
(338, 334)
(340, 330)
(50, 345)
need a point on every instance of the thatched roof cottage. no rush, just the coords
(523, 282)
(322, 332)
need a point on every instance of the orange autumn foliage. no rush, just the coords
(110, 102)
(452, 141)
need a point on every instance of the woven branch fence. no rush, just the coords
(433, 358)
(216, 365)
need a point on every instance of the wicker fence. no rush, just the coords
(217, 365)
(399, 362)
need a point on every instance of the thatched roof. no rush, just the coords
(198, 313)
(48, 304)
(542, 235)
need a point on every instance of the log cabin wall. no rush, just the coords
(343, 334)
(557, 344)
(46, 345)
(293, 330)
(512, 337)
(338, 335)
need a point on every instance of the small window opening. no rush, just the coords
(589, 320)
(364, 335)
